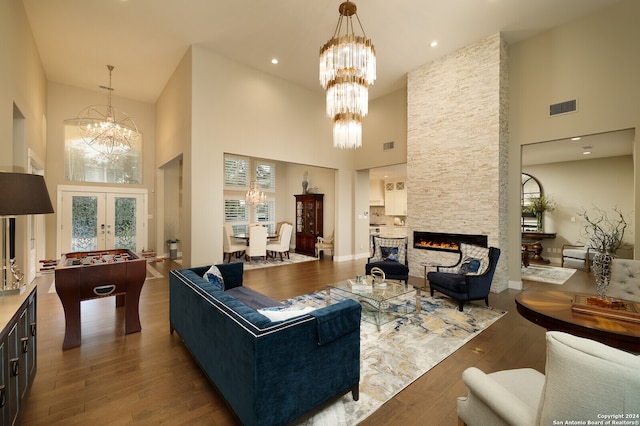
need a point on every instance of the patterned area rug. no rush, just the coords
(547, 274)
(402, 351)
(257, 263)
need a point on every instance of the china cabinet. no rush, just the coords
(309, 215)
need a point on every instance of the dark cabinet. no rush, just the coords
(17, 353)
(309, 215)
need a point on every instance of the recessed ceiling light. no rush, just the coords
(274, 61)
(433, 44)
(586, 153)
(576, 139)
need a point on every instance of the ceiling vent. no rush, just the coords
(388, 145)
(563, 108)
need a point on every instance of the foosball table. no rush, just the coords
(89, 275)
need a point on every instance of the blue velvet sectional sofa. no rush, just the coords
(268, 372)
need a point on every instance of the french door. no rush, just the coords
(101, 219)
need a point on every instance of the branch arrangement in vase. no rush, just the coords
(604, 233)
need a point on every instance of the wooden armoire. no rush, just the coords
(308, 226)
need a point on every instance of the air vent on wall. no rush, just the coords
(563, 107)
(388, 145)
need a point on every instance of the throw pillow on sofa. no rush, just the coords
(214, 276)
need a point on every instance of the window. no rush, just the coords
(236, 213)
(236, 172)
(84, 164)
(266, 215)
(239, 172)
(266, 176)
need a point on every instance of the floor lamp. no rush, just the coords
(20, 194)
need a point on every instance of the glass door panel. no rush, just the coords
(102, 221)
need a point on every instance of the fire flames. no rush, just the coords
(438, 245)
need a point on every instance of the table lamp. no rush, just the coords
(20, 194)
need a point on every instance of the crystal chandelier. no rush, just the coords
(347, 69)
(254, 196)
(107, 129)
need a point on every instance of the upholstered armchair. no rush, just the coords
(577, 256)
(625, 279)
(324, 244)
(390, 255)
(583, 381)
(470, 279)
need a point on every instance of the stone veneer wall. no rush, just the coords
(457, 150)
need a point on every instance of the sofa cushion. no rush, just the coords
(252, 298)
(452, 281)
(390, 267)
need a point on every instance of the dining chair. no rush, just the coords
(281, 245)
(230, 246)
(257, 243)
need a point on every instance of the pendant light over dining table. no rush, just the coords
(347, 69)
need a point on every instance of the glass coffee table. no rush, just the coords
(374, 298)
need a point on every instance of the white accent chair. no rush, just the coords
(281, 245)
(324, 244)
(625, 279)
(257, 243)
(577, 256)
(230, 245)
(584, 379)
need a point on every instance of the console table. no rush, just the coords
(552, 310)
(533, 241)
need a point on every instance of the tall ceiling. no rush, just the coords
(146, 39)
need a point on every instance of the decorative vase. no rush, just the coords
(539, 224)
(305, 185)
(602, 272)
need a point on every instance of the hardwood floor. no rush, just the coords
(150, 378)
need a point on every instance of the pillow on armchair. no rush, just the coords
(389, 249)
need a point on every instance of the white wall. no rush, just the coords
(595, 60)
(23, 84)
(65, 102)
(240, 110)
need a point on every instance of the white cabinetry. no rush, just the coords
(376, 193)
(395, 196)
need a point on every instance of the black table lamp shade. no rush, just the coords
(22, 194)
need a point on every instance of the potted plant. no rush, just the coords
(540, 205)
(173, 247)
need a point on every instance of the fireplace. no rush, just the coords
(445, 242)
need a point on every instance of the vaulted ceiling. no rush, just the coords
(145, 39)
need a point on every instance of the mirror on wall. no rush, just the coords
(530, 189)
(580, 173)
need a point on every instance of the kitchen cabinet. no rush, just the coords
(17, 352)
(309, 219)
(376, 193)
(395, 198)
